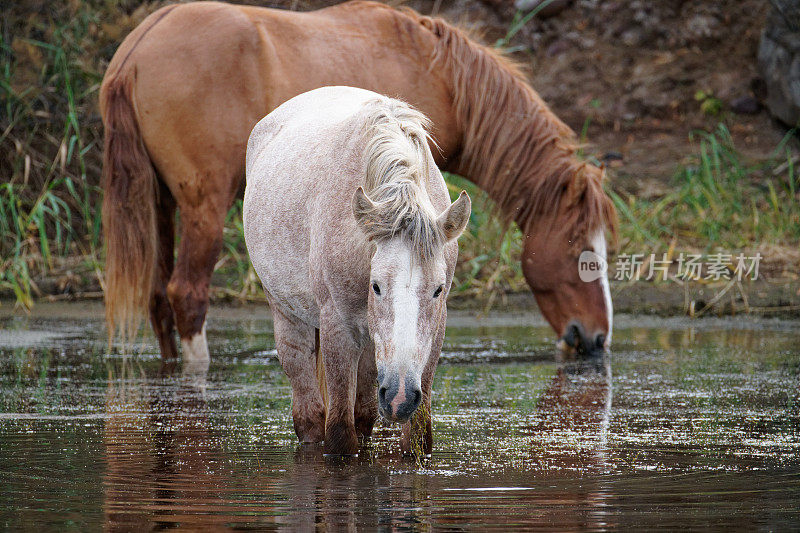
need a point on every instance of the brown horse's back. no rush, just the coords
(206, 72)
(197, 94)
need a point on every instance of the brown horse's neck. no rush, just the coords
(512, 145)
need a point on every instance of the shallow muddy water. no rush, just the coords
(690, 425)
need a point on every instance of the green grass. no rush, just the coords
(235, 276)
(50, 140)
(719, 200)
(489, 252)
(30, 236)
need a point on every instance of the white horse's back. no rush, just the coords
(300, 122)
(304, 161)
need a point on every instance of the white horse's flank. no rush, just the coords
(350, 228)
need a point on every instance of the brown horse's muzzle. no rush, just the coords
(585, 346)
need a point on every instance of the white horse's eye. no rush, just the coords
(376, 288)
(438, 291)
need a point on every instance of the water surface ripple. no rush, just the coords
(688, 426)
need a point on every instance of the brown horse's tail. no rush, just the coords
(129, 211)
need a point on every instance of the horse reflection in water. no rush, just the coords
(168, 466)
(574, 410)
(349, 493)
(162, 458)
(571, 433)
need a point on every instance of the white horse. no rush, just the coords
(349, 225)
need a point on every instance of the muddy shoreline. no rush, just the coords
(519, 311)
(759, 298)
(770, 298)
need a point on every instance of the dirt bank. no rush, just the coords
(756, 298)
(634, 71)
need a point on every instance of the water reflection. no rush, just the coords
(168, 463)
(576, 407)
(571, 435)
(701, 432)
(161, 453)
(366, 492)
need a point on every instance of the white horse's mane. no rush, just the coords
(397, 157)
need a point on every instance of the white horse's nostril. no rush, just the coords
(417, 396)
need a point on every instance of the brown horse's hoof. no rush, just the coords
(341, 439)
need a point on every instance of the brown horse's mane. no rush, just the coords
(527, 166)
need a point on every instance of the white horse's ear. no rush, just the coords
(454, 219)
(363, 207)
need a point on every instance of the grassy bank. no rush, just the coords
(719, 199)
(51, 64)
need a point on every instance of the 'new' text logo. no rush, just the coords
(591, 266)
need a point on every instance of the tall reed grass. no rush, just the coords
(51, 61)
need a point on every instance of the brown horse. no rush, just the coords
(186, 87)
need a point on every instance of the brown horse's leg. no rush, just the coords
(161, 316)
(201, 243)
(366, 409)
(340, 357)
(296, 344)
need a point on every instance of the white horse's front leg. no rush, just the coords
(296, 344)
(341, 357)
(366, 408)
